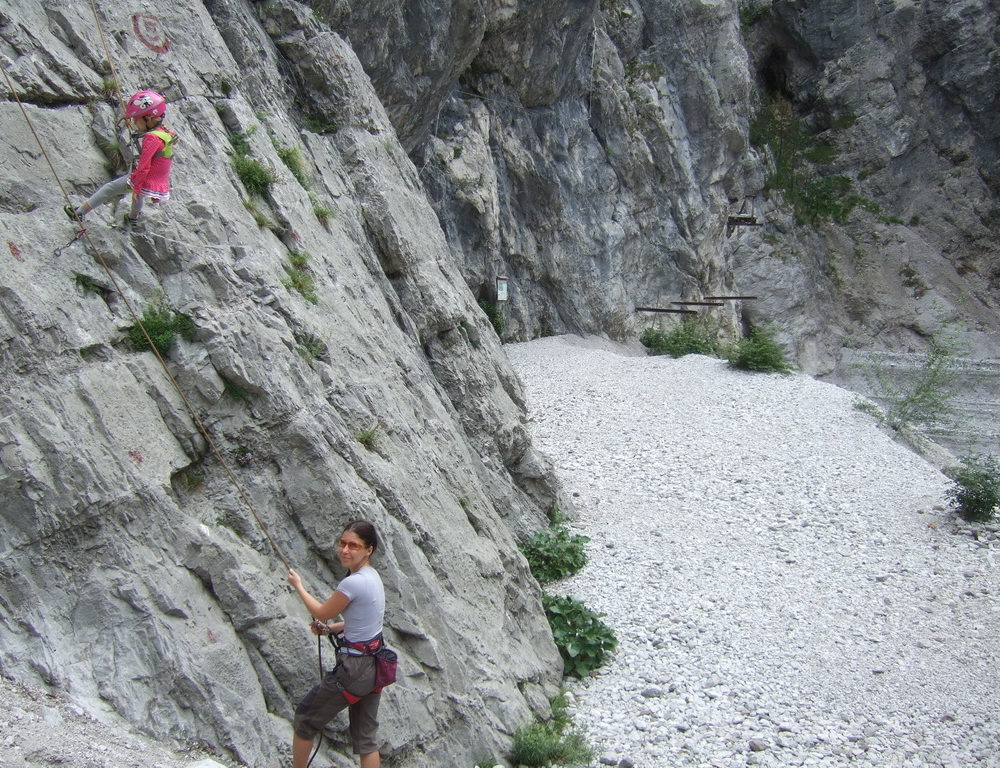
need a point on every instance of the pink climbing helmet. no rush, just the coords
(145, 103)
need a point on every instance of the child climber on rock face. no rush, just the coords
(151, 175)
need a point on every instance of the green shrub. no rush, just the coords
(109, 87)
(923, 396)
(798, 157)
(689, 338)
(257, 178)
(556, 516)
(235, 392)
(758, 352)
(538, 745)
(89, 285)
(493, 313)
(541, 744)
(975, 493)
(751, 13)
(162, 324)
(582, 638)
(555, 554)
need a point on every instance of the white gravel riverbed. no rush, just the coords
(786, 582)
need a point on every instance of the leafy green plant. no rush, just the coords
(192, 477)
(913, 280)
(537, 745)
(637, 70)
(867, 406)
(814, 196)
(551, 742)
(752, 12)
(555, 553)
(582, 638)
(758, 352)
(493, 313)
(300, 276)
(257, 178)
(556, 516)
(922, 396)
(162, 324)
(688, 338)
(975, 492)
(109, 87)
(368, 437)
(292, 158)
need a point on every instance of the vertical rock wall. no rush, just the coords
(591, 152)
(135, 578)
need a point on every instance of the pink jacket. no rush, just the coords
(151, 177)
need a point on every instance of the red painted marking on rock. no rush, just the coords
(149, 29)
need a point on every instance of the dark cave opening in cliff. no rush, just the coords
(773, 74)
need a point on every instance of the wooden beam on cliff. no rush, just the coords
(671, 311)
(741, 220)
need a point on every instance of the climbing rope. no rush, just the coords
(138, 321)
(82, 232)
(107, 56)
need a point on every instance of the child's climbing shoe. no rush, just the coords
(129, 220)
(72, 213)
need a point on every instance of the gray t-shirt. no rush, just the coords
(363, 615)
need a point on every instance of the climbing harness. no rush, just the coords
(386, 662)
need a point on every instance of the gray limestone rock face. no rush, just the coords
(342, 354)
(896, 92)
(140, 517)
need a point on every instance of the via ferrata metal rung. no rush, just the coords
(730, 298)
(699, 303)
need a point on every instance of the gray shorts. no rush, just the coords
(323, 702)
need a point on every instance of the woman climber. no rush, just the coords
(353, 683)
(151, 176)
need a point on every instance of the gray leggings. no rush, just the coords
(113, 190)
